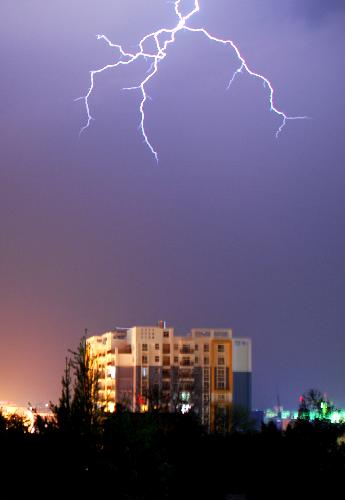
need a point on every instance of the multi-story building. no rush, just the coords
(206, 371)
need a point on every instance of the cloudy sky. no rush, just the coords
(232, 228)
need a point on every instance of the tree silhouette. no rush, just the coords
(78, 404)
(62, 411)
(314, 401)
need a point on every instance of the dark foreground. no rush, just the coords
(159, 456)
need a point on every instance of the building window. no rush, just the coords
(206, 360)
(144, 372)
(166, 348)
(221, 348)
(157, 347)
(175, 359)
(144, 347)
(220, 378)
(144, 360)
(166, 334)
(186, 361)
(196, 347)
(221, 361)
(175, 347)
(196, 361)
(206, 348)
(206, 386)
(156, 359)
(166, 360)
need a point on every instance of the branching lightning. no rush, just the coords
(161, 39)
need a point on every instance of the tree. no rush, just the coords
(18, 424)
(78, 404)
(241, 419)
(62, 411)
(314, 402)
(3, 422)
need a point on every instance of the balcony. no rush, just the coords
(166, 360)
(186, 363)
(186, 350)
(186, 374)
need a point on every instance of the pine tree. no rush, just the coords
(62, 411)
(84, 406)
(78, 404)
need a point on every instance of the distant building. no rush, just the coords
(27, 413)
(282, 418)
(206, 371)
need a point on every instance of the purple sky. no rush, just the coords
(232, 228)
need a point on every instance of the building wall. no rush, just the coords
(243, 389)
(242, 372)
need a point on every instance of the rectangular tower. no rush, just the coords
(146, 367)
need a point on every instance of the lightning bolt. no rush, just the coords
(161, 39)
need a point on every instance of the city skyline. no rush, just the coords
(233, 229)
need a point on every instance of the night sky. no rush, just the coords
(233, 228)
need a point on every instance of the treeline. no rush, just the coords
(87, 453)
(170, 456)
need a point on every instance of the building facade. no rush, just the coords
(207, 372)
